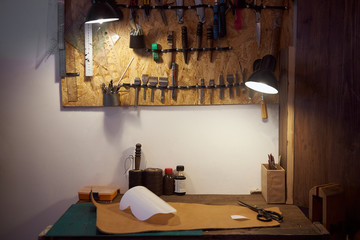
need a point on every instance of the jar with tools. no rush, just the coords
(180, 180)
(169, 182)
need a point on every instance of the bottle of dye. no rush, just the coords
(169, 182)
(180, 180)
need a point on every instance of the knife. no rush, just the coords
(258, 23)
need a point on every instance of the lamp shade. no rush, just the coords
(263, 78)
(101, 11)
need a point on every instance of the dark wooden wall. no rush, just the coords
(327, 100)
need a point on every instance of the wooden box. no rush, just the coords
(273, 184)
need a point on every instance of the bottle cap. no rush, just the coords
(168, 171)
(179, 168)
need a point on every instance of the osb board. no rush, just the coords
(111, 61)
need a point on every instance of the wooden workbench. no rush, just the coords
(295, 224)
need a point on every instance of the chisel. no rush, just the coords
(152, 83)
(237, 82)
(137, 83)
(202, 85)
(184, 42)
(199, 32)
(163, 83)
(170, 46)
(145, 80)
(230, 80)
(221, 83)
(212, 85)
(210, 36)
(173, 76)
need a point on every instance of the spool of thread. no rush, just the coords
(135, 178)
(153, 180)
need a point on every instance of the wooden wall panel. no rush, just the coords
(327, 97)
(110, 62)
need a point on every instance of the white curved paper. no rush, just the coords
(144, 203)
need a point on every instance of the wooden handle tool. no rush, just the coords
(170, 37)
(264, 113)
(137, 156)
(199, 32)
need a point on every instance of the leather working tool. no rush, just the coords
(184, 39)
(258, 21)
(202, 85)
(221, 83)
(222, 19)
(238, 21)
(170, 46)
(133, 7)
(210, 36)
(212, 85)
(152, 83)
(216, 20)
(163, 83)
(173, 76)
(263, 215)
(162, 12)
(230, 80)
(199, 10)
(180, 11)
(155, 54)
(237, 82)
(264, 114)
(199, 32)
(145, 80)
(147, 8)
(137, 83)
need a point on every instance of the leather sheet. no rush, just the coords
(189, 216)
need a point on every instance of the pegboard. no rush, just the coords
(112, 54)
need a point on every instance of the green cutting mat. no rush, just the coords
(80, 220)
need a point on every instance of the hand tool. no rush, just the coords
(199, 32)
(184, 39)
(264, 114)
(133, 4)
(153, 82)
(243, 73)
(155, 54)
(221, 85)
(145, 80)
(131, 60)
(162, 12)
(173, 76)
(237, 82)
(222, 19)
(258, 22)
(170, 46)
(88, 50)
(163, 83)
(202, 85)
(137, 156)
(200, 11)
(216, 20)
(147, 8)
(210, 36)
(137, 83)
(212, 85)
(180, 12)
(271, 162)
(263, 215)
(239, 4)
(230, 80)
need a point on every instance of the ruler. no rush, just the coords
(88, 50)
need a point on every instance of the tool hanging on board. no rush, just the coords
(230, 80)
(238, 21)
(152, 83)
(216, 20)
(173, 75)
(184, 39)
(133, 7)
(199, 10)
(155, 54)
(222, 19)
(264, 114)
(221, 85)
(199, 32)
(257, 9)
(170, 46)
(202, 85)
(210, 36)
(88, 50)
(163, 83)
(211, 85)
(160, 3)
(147, 9)
(237, 82)
(137, 84)
(145, 80)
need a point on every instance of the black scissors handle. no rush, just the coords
(267, 216)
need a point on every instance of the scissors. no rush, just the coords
(263, 215)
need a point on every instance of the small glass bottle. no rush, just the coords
(169, 182)
(180, 181)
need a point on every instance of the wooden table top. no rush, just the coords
(294, 226)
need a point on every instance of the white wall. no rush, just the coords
(47, 153)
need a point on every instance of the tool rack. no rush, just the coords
(231, 54)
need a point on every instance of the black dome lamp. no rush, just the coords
(101, 11)
(263, 78)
